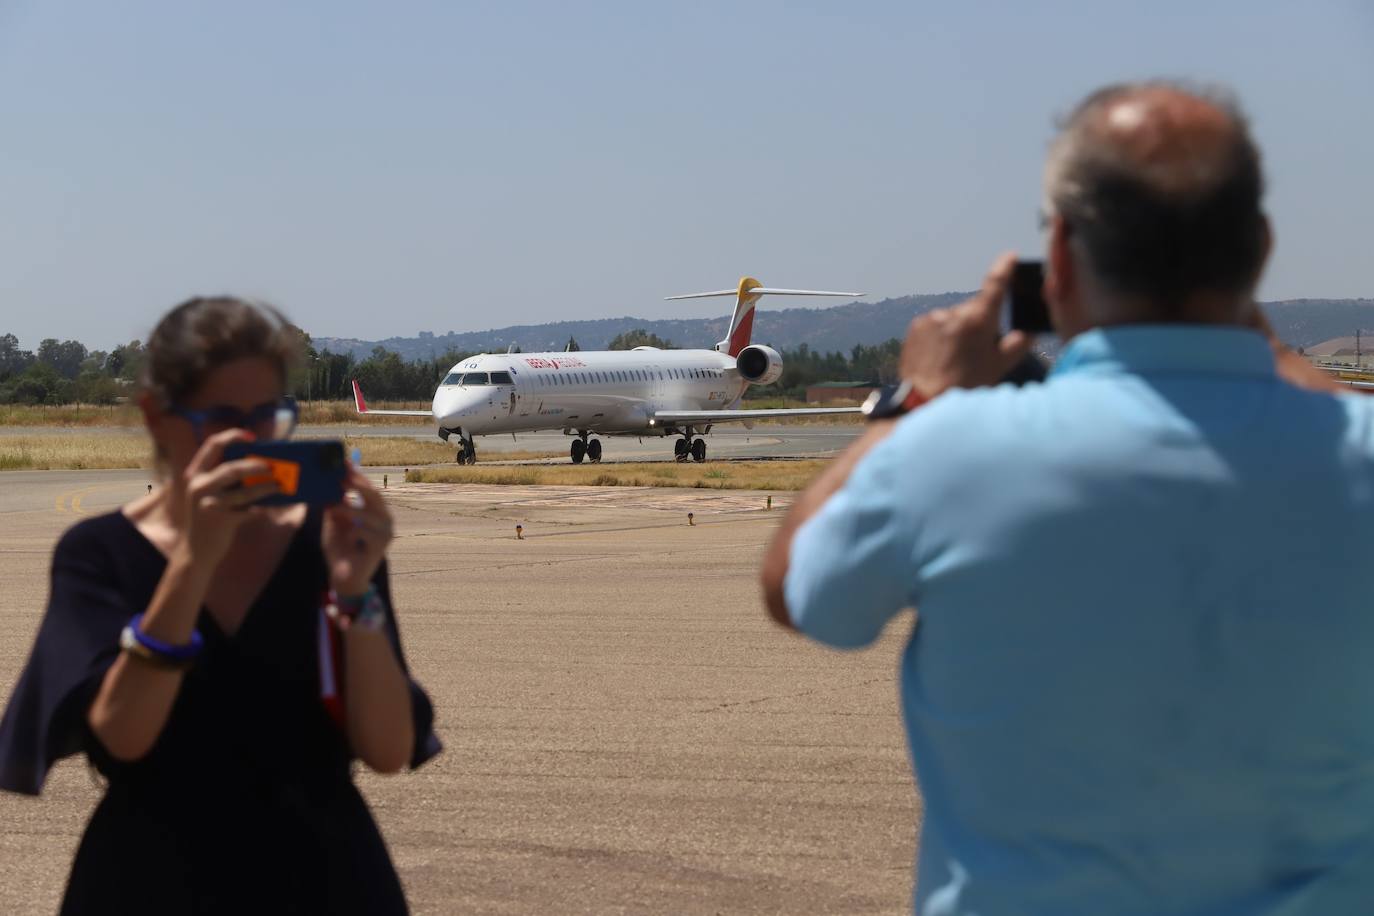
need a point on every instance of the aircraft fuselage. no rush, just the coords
(606, 392)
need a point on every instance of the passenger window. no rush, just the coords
(501, 378)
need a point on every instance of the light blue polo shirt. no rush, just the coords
(1143, 676)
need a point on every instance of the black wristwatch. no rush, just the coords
(892, 401)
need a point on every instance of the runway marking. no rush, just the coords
(71, 500)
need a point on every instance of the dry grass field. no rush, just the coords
(313, 413)
(86, 451)
(752, 475)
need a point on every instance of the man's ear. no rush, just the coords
(1061, 279)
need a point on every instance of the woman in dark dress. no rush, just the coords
(220, 663)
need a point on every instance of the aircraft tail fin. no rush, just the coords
(746, 295)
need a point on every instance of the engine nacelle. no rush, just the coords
(759, 365)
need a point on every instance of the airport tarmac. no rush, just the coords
(624, 730)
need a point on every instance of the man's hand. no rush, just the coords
(958, 347)
(963, 346)
(1291, 367)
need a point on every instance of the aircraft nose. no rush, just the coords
(451, 407)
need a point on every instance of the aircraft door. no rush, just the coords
(502, 399)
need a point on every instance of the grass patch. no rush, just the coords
(70, 415)
(313, 413)
(743, 475)
(92, 451)
(404, 451)
(74, 453)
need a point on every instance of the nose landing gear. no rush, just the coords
(467, 451)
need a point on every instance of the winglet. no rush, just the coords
(358, 401)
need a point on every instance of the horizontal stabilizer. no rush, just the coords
(361, 404)
(766, 291)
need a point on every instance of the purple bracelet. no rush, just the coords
(165, 649)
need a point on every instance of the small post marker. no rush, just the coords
(383, 481)
(691, 518)
(519, 532)
(770, 502)
(150, 488)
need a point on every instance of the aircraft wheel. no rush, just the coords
(594, 451)
(579, 451)
(698, 449)
(680, 449)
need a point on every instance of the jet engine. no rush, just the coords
(759, 365)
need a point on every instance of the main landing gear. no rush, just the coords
(693, 448)
(581, 448)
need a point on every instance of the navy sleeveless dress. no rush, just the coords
(246, 803)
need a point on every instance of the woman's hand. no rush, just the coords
(355, 536)
(207, 503)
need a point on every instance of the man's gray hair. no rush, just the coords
(1160, 211)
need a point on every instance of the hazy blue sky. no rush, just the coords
(385, 168)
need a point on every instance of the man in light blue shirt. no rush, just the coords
(1143, 675)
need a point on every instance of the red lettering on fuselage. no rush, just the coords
(560, 362)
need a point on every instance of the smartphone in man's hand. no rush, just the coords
(1029, 312)
(305, 472)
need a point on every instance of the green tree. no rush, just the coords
(38, 384)
(639, 337)
(12, 359)
(65, 357)
(126, 360)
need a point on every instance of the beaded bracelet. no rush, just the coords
(146, 648)
(365, 612)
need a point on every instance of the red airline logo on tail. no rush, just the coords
(358, 397)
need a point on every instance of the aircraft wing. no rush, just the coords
(361, 405)
(669, 417)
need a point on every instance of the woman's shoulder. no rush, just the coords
(97, 537)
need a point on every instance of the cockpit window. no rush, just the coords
(475, 378)
(453, 378)
(501, 378)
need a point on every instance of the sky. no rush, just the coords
(381, 169)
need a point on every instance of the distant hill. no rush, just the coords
(1298, 322)
(1306, 322)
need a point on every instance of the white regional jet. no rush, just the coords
(641, 392)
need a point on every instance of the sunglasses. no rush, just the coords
(270, 420)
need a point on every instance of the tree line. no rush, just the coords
(66, 372)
